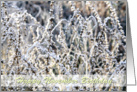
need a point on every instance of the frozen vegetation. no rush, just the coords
(63, 38)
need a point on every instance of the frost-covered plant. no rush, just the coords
(62, 38)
